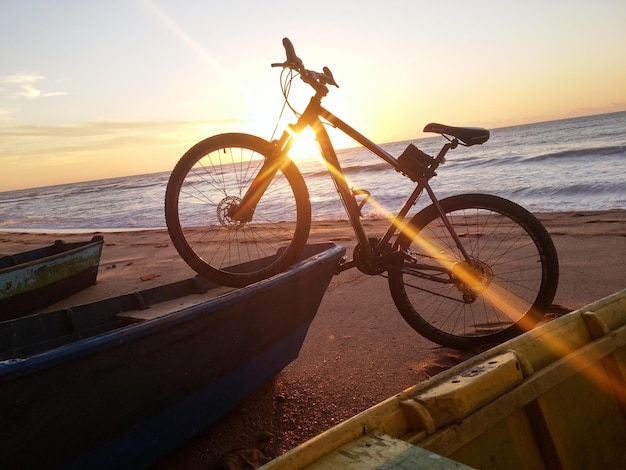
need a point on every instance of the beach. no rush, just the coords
(358, 350)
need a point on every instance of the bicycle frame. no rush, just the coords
(330, 157)
(237, 211)
(312, 117)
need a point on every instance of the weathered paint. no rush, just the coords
(377, 451)
(36, 274)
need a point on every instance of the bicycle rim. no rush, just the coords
(207, 183)
(511, 281)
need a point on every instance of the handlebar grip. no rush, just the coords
(289, 49)
(292, 58)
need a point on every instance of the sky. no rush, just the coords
(92, 89)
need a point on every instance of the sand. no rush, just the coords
(358, 350)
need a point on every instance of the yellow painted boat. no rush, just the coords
(554, 397)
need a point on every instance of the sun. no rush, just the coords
(305, 146)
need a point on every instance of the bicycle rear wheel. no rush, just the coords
(207, 185)
(505, 290)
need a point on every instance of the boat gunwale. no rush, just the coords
(11, 368)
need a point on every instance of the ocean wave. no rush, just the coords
(594, 152)
(565, 169)
(351, 169)
(127, 184)
(589, 196)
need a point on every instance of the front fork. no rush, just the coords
(243, 212)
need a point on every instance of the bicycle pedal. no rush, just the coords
(415, 164)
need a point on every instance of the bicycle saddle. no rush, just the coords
(468, 135)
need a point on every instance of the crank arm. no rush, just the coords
(344, 266)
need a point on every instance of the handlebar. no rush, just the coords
(318, 80)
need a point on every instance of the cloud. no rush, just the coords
(24, 85)
(98, 128)
(21, 78)
(43, 142)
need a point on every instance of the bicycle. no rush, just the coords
(467, 270)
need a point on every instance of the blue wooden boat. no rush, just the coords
(123, 381)
(38, 278)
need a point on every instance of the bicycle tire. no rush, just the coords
(511, 250)
(211, 177)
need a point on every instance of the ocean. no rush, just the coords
(573, 164)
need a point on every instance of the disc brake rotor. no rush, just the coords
(225, 210)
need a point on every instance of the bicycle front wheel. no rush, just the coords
(206, 187)
(505, 287)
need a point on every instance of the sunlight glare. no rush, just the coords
(304, 146)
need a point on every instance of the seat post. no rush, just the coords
(441, 157)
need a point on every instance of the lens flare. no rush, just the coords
(195, 46)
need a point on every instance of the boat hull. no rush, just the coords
(554, 397)
(41, 277)
(125, 397)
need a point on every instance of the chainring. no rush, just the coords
(378, 263)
